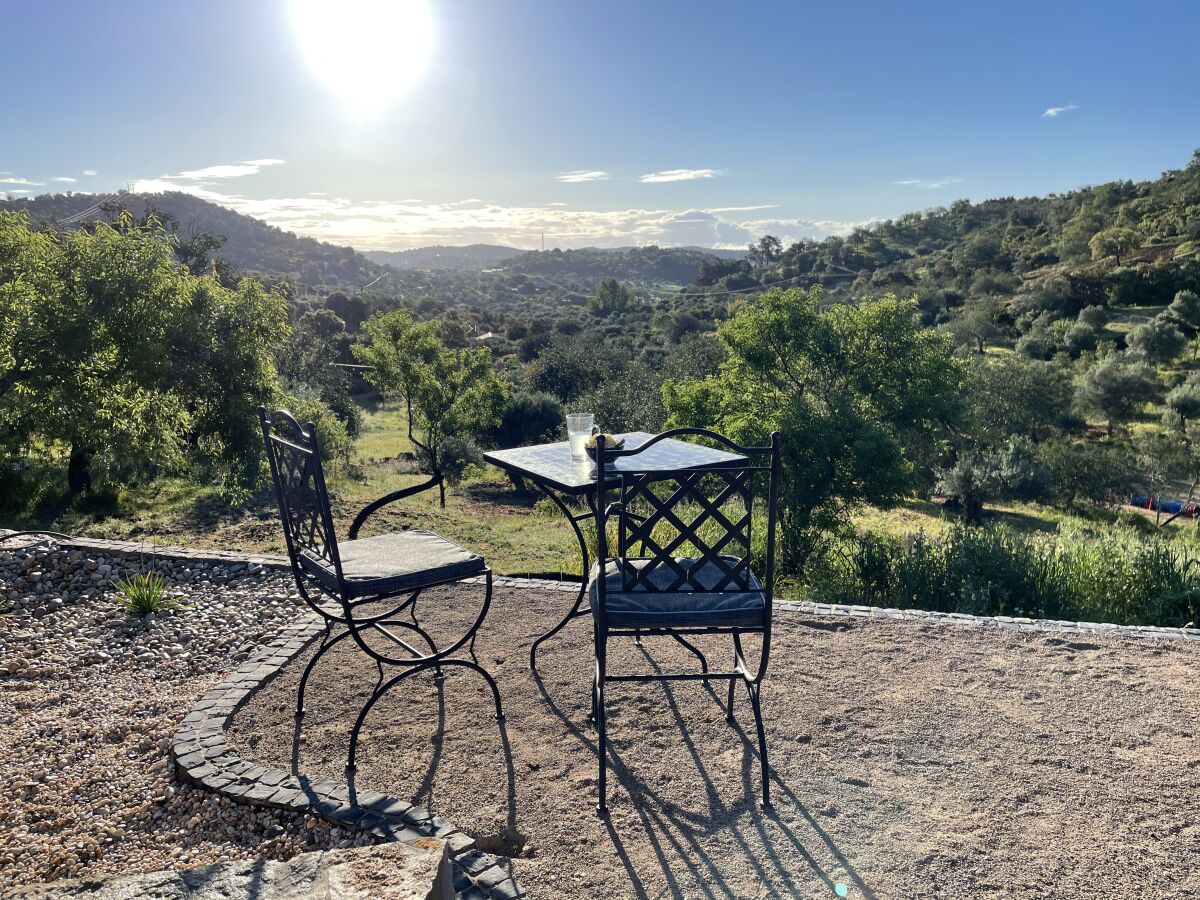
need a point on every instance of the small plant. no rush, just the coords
(144, 593)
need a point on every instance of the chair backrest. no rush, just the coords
(703, 513)
(295, 457)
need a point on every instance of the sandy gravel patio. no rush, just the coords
(910, 760)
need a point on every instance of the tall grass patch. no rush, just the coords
(1112, 576)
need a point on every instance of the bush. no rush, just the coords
(144, 594)
(1111, 576)
(457, 454)
(532, 418)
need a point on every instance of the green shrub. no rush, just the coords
(144, 594)
(1108, 576)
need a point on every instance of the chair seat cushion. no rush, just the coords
(662, 608)
(404, 560)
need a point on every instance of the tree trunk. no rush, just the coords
(442, 493)
(79, 470)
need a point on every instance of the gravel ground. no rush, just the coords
(89, 699)
(909, 760)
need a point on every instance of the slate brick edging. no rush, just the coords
(202, 756)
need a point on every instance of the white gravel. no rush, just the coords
(89, 699)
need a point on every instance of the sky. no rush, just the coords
(389, 124)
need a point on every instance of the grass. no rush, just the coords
(384, 434)
(513, 531)
(483, 513)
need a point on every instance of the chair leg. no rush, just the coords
(729, 701)
(412, 611)
(601, 725)
(753, 689)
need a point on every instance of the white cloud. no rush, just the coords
(227, 170)
(929, 184)
(677, 175)
(579, 176)
(21, 181)
(64, 179)
(18, 192)
(1055, 111)
(89, 171)
(402, 224)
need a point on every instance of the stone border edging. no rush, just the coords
(203, 757)
(1008, 623)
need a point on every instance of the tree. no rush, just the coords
(570, 368)
(766, 252)
(849, 387)
(1183, 401)
(1158, 340)
(611, 297)
(1116, 388)
(1079, 338)
(1011, 396)
(978, 323)
(1113, 242)
(1010, 473)
(1185, 311)
(448, 394)
(112, 350)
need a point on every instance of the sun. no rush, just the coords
(367, 52)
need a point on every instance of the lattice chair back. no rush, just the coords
(295, 458)
(687, 530)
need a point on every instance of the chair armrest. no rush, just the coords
(383, 501)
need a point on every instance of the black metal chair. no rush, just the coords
(682, 567)
(361, 575)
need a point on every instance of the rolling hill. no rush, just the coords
(251, 245)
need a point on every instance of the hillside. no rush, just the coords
(250, 244)
(439, 257)
(1119, 242)
(676, 265)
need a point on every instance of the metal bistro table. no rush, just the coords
(561, 478)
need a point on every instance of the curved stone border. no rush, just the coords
(203, 757)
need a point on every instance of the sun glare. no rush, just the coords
(367, 52)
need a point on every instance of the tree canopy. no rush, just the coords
(848, 386)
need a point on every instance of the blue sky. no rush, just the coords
(532, 115)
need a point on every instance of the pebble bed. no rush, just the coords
(90, 698)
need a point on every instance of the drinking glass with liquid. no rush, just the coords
(580, 427)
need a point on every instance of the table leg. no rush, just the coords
(576, 610)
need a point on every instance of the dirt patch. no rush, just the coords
(908, 760)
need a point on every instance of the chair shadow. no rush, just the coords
(425, 788)
(671, 828)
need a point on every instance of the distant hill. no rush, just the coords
(674, 265)
(466, 258)
(251, 245)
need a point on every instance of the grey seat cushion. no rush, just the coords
(402, 561)
(676, 609)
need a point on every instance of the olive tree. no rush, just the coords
(1116, 388)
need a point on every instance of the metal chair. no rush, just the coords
(361, 575)
(691, 532)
